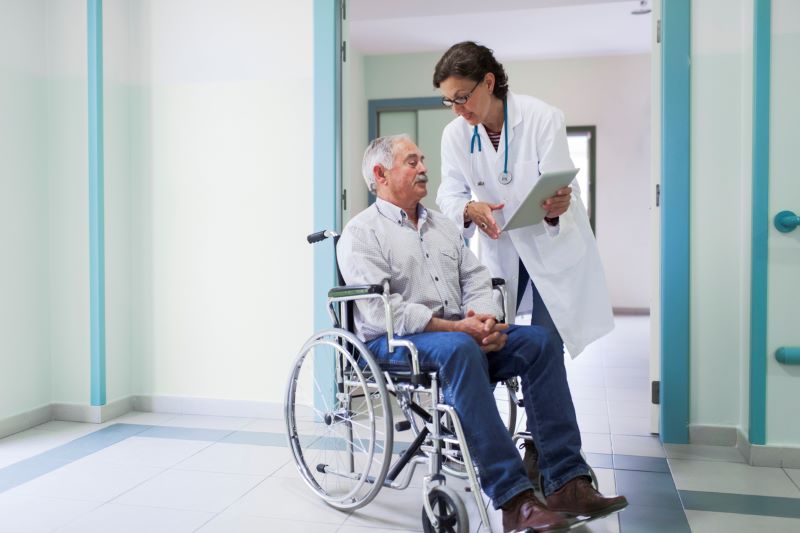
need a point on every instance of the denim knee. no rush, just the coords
(464, 353)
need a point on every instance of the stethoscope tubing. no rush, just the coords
(476, 137)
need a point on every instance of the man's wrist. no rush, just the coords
(551, 221)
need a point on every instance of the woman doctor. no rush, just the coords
(492, 155)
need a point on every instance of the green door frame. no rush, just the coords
(675, 112)
(675, 219)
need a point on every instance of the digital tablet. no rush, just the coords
(530, 211)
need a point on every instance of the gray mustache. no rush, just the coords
(422, 178)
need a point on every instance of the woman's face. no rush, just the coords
(476, 109)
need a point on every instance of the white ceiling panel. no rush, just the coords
(514, 29)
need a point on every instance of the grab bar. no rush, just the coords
(788, 355)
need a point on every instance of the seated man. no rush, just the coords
(441, 300)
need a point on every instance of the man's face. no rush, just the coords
(406, 183)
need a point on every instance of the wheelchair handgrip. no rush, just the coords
(317, 237)
(347, 291)
(497, 282)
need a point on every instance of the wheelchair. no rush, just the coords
(340, 419)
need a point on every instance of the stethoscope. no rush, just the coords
(505, 176)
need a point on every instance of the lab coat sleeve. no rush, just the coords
(552, 138)
(362, 262)
(476, 285)
(454, 191)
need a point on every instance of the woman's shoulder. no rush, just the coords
(457, 129)
(530, 105)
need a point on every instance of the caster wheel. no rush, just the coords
(448, 510)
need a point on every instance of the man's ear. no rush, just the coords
(380, 174)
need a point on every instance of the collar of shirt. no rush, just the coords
(398, 215)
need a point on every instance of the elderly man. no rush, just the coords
(441, 301)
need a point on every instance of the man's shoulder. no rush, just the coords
(443, 223)
(363, 219)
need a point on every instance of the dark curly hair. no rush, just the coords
(473, 61)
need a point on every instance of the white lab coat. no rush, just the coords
(563, 262)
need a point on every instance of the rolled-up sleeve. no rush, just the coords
(363, 261)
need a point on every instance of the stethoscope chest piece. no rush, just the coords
(505, 178)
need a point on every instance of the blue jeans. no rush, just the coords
(467, 375)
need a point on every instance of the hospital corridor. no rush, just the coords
(263, 266)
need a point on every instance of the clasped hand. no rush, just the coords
(485, 329)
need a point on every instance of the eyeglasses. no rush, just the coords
(460, 100)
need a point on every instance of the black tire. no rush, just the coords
(449, 511)
(341, 441)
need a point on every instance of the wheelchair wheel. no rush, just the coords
(449, 511)
(506, 393)
(338, 419)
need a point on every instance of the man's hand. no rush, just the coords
(485, 330)
(558, 204)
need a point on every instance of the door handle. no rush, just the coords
(786, 221)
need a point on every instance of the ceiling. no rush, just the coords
(514, 29)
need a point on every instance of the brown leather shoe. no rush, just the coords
(525, 512)
(531, 463)
(579, 498)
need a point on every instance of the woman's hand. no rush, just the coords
(558, 204)
(480, 213)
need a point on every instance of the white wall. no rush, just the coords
(118, 92)
(612, 93)
(222, 112)
(24, 340)
(67, 167)
(721, 124)
(355, 132)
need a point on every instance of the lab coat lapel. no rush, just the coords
(514, 120)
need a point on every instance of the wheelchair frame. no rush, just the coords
(438, 440)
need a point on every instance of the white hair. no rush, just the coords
(380, 152)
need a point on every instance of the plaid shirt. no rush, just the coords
(427, 270)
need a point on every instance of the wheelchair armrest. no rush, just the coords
(348, 291)
(498, 282)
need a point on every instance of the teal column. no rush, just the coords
(327, 148)
(760, 222)
(97, 304)
(675, 220)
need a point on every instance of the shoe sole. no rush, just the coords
(580, 520)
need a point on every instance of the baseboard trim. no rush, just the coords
(207, 406)
(25, 420)
(767, 455)
(712, 435)
(635, 311)
(95, 414)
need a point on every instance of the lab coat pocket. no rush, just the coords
(564, 250)
(527, 172)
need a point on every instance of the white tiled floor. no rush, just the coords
(706, 522)
(734, 478)
(156, 484)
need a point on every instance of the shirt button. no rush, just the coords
(427, 254)
(436, 278)
(445, 302)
